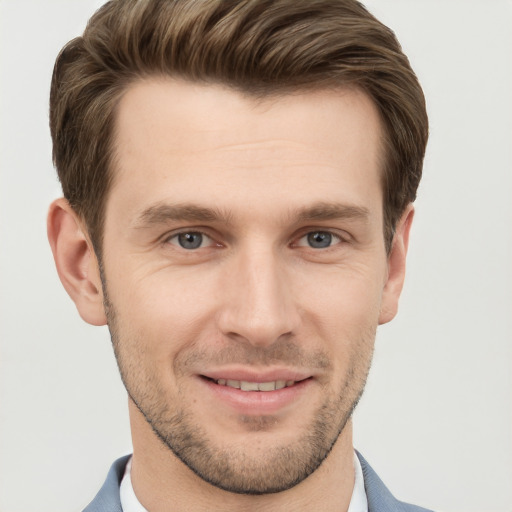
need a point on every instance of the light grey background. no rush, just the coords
(436, 419)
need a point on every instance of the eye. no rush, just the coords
(319, 240)
(190, 240)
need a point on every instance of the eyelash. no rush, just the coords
(336, 238)
(174, 236)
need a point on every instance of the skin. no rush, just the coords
(255, 299)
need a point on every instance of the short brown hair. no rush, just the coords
(259, 47)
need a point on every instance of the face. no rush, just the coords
(246, 273)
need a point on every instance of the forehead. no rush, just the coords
(218, 110)
(175, 137)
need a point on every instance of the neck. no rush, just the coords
(162, 482)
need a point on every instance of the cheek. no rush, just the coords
(164, 310)
(349, 297)
(343, 315)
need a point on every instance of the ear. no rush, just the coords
(76, 261)
(396, 267)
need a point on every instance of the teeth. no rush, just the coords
(255, 386)
(267, 386)
(248, 386)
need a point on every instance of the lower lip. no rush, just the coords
(257, 403)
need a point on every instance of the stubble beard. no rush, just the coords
(274, 469)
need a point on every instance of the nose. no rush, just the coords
(258, 304)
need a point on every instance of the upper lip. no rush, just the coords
(254, 375)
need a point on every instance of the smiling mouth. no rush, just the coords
(243, 385)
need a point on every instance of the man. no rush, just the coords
(238, 180)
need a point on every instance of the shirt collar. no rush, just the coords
(130, 503)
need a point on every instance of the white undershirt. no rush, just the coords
(358, 502)
(130, 503)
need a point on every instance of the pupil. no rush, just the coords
(319, 239)
(190, 240)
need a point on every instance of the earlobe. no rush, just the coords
(76, 261)
(396, 267)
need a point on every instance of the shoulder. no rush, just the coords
(379, 497)
(108, 499)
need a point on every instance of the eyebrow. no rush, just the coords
(321, 211)
(163, 213)
(331, 211)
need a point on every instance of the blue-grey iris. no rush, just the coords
(319, 239)
(192, 240)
